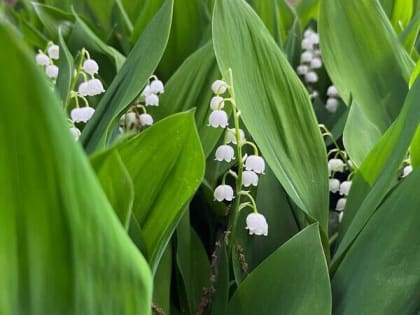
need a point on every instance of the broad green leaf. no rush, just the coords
(53, 18)
(130, 80)
(166, 164)
(379, 171)
(415, 74)
(375, 70)
(192, 262)
(222, 281)
(283, 224)
(116, 183)
(380, 273)
(293, 280)
(415, 149)
(62, 248)
(162, 282)
(190, 87)
(66, 66)
(409, 36)
(359, 135)
(275, 106)
(401, 14)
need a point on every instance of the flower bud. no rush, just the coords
(51, 71)
(217, 103)
(345, 188)
(341, 204)
(54, 52)
(42, 59)
(219, 87)
(332, 105)
(334, 185)
(90, 67)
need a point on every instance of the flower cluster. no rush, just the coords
(135, 121)
(310, 59)
(47, 58)
(332, 100)
(337, 165)
(249, 167)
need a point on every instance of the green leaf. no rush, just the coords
(379, 171)
(190, 87)
(276, 286)
(365, 60)
(66, 66)
(162, 282)
(409, 36)
(129, 81)
(62, 249)
(307, 10)
(166, 164)
(380, 273)
(268, 90)
(116, 183)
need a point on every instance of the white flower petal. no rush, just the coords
(152, 100)
(156, 86)
(256, 224)
(219, 87)
(42, 59)
(249, 178)
(146, 119)
(90, 67)
(255, 163)
(223, 192)
(225, 153)
(54, 51)
(218, 118)
(51, 71)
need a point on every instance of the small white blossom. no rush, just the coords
(90, 67)
(340, 217)
(314, 38)
(231, 137)
(42, 59)
(316, 63)
(332, 105)
(314, 94)
(334, 185)
(95, 87)
(75, 132)
(82, 114)
(341, 204)
(225, 153)
(147, 91)
(256, 224)
(249, 178)
(307, 44)
(306, 56)
(219, 87)
(156, 86)
(51, 71)
(223, 192)
(336, 165)
(311, 77)
(407, 170)
(255, 163)
(217, 103)
(129, 120)
(308, 33)
(218, 118)
(146, 119)
(83, 89)
(152, 100)
(302, 69)
(54, 52)
(332, 91)
(345, 188)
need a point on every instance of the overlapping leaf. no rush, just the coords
(274, 104)
(62, 248)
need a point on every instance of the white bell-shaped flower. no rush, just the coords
(256, 224)
(219, 87)
(75, 132)
(152, 100)
(225, 153)
(307, 44)
(231, 137)
(42, 59)
(129, 121)
(90, 66)
(146, 119)
(308, 32)
(223, 192)
(156, 86)
(95, 87)
(314, 38)
(407, 170)
(54, 52)
(316, 63)
(332, 105)
(82, 114)
(51, 71)
(334, 185)
(217, 103)
(83, 89)
(302, 69)
(336, 165)
(147, 90)
(218, 118)
(311, 77)
(332, 91)
(255, 163)
(306, 57)
(341, 204)
(249, 178)
(345, 187)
